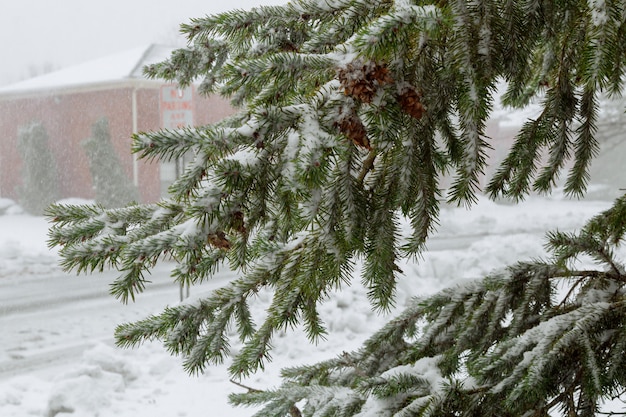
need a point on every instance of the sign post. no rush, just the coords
(176, 106)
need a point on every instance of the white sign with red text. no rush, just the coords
(176, 107)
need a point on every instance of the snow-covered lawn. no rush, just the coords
(57, 356)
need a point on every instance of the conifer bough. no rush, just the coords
(351, 114)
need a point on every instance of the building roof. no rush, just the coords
(115, 68)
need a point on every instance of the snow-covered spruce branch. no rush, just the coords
(186, 65)
(597, 239)
(198, 331)
(91, 236)
(497, 346)
(167, 145)
(352, 112)
(471, 37)
(489, 345)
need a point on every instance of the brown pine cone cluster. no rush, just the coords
(361, 81)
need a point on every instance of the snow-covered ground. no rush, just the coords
(57, 356)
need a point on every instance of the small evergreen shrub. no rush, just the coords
(39, 186)
(111, 185)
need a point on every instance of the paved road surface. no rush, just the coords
(46, 322)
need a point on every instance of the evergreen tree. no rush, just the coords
(113, 188)
(351, 114)
(39, 186)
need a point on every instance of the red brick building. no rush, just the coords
(68, 102)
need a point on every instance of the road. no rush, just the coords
(47, 322)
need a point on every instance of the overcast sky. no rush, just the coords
(40, 34)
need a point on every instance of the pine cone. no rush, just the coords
(238, 223)
(380, 74)
(352, 126)
(219, 240)
(410, 101)
(361, 81)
